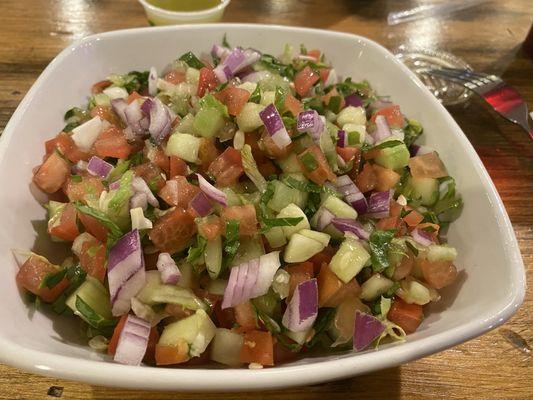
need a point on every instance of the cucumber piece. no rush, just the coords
(233, 198)
(276, 237)
(441, 252)
(283, 196)
(197, 330)
(339, 208)
(248, 119)
(318, 236)
(356, 133)
(185, 125)
(208, 122)
(217, 286)
(248, 86)
(299, 337)
(301, 248)
(375, 286)
(280, 284)
(426, 190)
(251, 247)
(226, 347)
(192, 75)
(188, 276)
(412, 291)
(349, 260)
(293, 211)
(268, 97)
(184, 146)
(396, 157)
(77, 244)
(351, 115)
(213, 257)
(55, 210)
(95, 295)
(290, 164)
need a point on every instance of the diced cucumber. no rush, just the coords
(441, 252)
(397, 251)
(276, 237)
(293, 211)
(424, 189)
(290, 164)
(299, 337)
(138, 220)
(217, 286)
(197, 330)
(283, 196)
(330, 151)
(251, 247)
(102, 99)
(356, 133)
(351, 115)
(115, 92)
(226, 347)
(301, 248)
(268, 97)
(95, 295)
(248, 86)
(318, 236)
(280, 284)
(213, 257)
(393, 157)
(55, 210)
(185, 125)
(339, 208)
(208, 122)
(375, 286)
(349, 260)
(411, 291)
(188, 276)
(156, 292)
(267, 303)
(248, 119)
(184, 146)
(232, 197)
(192, 75)
(77, 244)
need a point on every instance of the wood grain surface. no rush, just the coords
(498, 365)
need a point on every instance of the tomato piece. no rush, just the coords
(31, 274)
(388, 223)
(304, 80)
(332, 291)
(245, 317)
(178, 192)
(432, 229)
(227, 168)
(52, 174)
(151, 174)
(386, 178)
(257, 347)
(50, 145)
(366, 179)
(324, 74)
(88, 187)
(438, 274)
(234, 98)
(395, 209)
(333, 93)
(67, 147)
(67, 228)
(407, 316)
(393, 115)
(282, 354)
(246, 216)
(105, 112)
(177, 167)
(324, 256)
(174, 76)
(93, 259)
(173, 231)
(112, 143)
(348, 153)
(211, 227)
(98, 87)
(405, 266)
(207, 153)
(160, 159)
(153, 338)
(293, 105)
(225, 318)
(168, 355)
(113, 342)
(207, 81)
(315, 166)
(427, 165)
(315, 53)
(413, 218)
(271, 148)
(133, 96)
(299, 273)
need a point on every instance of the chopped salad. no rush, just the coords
(241, 208)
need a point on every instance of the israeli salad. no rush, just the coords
(241, 208)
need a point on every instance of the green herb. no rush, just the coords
(269, 322)
(309, 161)
(225, 41)
(289, 121)
(322, 323)
(231, 243)
(209, 101)
(119, 170)
(412, 247)
(303, 49)
(387, 144)
(250, 168)
(272, 64)
(268, 223)
(136, 159)
(76, 276)
(334, 104)
(431, 217)
(308, 187)
(133, 81)
(76, 178)
(101, 217)
(255, 97)
(93, 318)
(313, 103)
(51, 279)
(449, 206)
(117, 207)
(380, 242)
(196, 252)
(191, 60)
(69, 127)
(280, 95)
(348, 87)
(313, 204)
(412, 131)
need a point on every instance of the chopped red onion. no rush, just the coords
(274, 126)
(367, 328)
(200, 203)
(170, 274)
(114, 185)
(351, 225)
(255, 76)
(341, 138)
(324, 218)
(369, 139)
(125, 271)
(223, 73)
(133, 341)
(119, 107)
(139, 186)
(418, 150)
(80, 166)
(382, 102)
(352, 194)
(99, 167)
(220, 51)
(251, 278)
(139, 200)
(310, 121)
(234, 62)
(152, 82)
(382, 129)
(422, 237)
(302, 309)
(379, 204)
(353, 100)
(160, 121)
(135, 118)
(212, 192)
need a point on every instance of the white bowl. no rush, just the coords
(492, 282)
(160, 16)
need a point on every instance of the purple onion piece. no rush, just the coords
(170, 274)
(324, 218)
(255, 76)
(212, 192)
(119, 107)
(133, 341)
(351, 225)
(160, 121)
(140, 186)
(200, 203)
(367, 328)
(99, 167)
(379, 204)
(341, 138)
(422, 237)
(310, 121)
(353, 100)
(152, 82)
(302, 309)
(274, 126)
(382, 129)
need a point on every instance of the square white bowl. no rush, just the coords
(492, 283)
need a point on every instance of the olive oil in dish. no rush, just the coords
(185, 5)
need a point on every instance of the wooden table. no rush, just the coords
(493, 366)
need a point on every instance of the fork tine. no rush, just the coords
(446, 75)
(465, 72)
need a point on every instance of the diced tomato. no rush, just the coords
(246, 216)
(227, 168)
(207, 81)
(324, 256)
(159, 158)
(366, 179)
(405, 266)
(177, 167)
(98, 87)
(413, 218)
(67, 228)
(299, 273)
(173, 231)
(93, 259)
(371, 154)
(356, 164)
(207, 153)
(427, 165)
(50, 145)
(150, 261)
(88, 187)
(105, 112)
(394, 117)
(211, 227)
(272, 149)
(348, 153)
(153, 338)
(94, 227)
(113, 342)
(332, 291)
(31, 274)
(407, 316)
(52, 174)
(293, 105)
(395, 209)
(174, 76)
(234, 98)
(318, 170)
(333, 93)
(438, 274)
(324, 73)
(386, 178)
(304, 80)
(67, 147)
(282, 354)
(151, 174)
(178, 192)
(245, 317)
(388, 223)
(267, 168)
(132, 97)
(112, 143)
(315, 53)
(225, 318)
(258, 348)
(168, 355)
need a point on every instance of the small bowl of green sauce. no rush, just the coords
(173, 12)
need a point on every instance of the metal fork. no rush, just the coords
(504, 99)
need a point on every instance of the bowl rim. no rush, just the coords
(153, 378)
(183, 14)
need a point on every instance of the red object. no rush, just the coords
(393, 115)
(93, 259)
(112, 143)
(322, 172)
(246, 215)
(227, 168)
(31, 275)
(67, 228)
(207, 82)
(175, 77)
(304, 80)
(94, 227)
(173, 231)
(407, 316)
(113, 342)
(234, 98)
(52, 174)
(89, 186)
(178, 192)
(257, 347)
